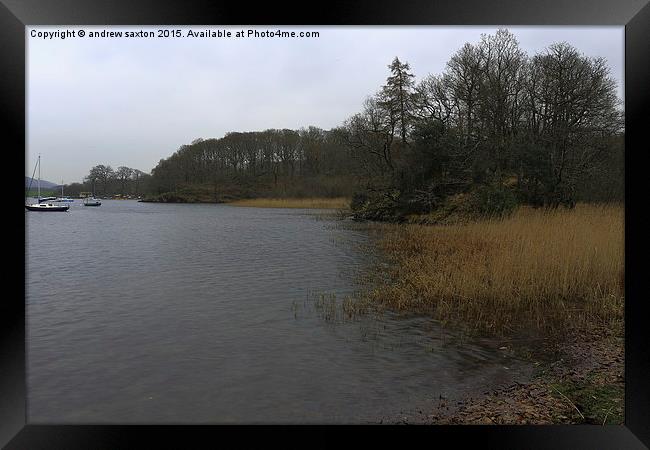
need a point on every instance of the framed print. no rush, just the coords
(424, 217)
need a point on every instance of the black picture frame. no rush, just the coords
(634, 15)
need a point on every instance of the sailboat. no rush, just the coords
(43, 204)
(92, 201)
(62, 198)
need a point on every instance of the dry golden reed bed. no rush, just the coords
(311, 203)
(559, 270)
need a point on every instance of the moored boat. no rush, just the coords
(62, 198)
(92, 201)
(42, 202)
(47, 207)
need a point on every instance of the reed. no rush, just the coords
(559, 270)
(307, 203)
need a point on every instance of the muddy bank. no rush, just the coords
(576, 381)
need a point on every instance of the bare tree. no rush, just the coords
(123, 174)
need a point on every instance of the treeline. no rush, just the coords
(280, 163)
(498, 127)
(103, 180)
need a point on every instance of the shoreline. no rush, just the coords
(512, 278)
(582, 384)
(297, 203)
(575, 381)
(263, 202)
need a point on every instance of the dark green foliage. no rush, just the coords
(380, 206)
(359, 201)
(492, 201)
(606, 181)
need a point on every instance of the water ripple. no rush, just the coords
(143, 312)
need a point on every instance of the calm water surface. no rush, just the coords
(173, 313)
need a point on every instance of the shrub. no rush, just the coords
(380, 206)
(492, 201)
(359, 200)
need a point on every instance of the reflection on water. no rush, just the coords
(166, 313)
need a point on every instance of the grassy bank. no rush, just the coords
(550, 270)
(312, 203)
(549, 284)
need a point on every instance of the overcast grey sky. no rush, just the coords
(134, 101)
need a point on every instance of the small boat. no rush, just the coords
(40, 206)
(62, 198)
(92, 201)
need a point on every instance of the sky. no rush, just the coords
(134, 101)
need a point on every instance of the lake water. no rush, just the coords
(181, 313)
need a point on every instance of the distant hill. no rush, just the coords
(44, 184)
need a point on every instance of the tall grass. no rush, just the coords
(311, 203)
(559, 270)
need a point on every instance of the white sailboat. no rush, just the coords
(43, 204)
(92, 201)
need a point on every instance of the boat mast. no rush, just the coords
(39, 177)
